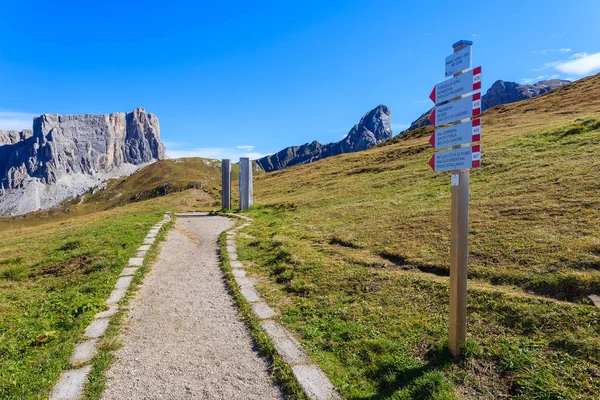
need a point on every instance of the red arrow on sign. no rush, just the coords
(432, 162)
(444, 119)
(469, 81)
(455, 159)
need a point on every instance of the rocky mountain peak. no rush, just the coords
(503, 92)
(374, 127)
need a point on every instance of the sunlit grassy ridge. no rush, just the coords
(57, 267)
(355, 252)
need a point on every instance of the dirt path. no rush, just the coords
(184, 338)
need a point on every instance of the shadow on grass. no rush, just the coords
(423, 382)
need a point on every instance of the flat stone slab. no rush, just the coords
(232, 249)
(286, 345)
(144, 247)
(262, 310)
(149, 241)
(151, 235)
(238, 273)
(141, 254)
(250, 294)
(236, 264)
(231, 242)
(595, 299)
(84, 352)
(315, 383)
(71, 383)
(112, 310)
(232, 256)
(123, 282)
(244, 282)
(96, 328)
(129, 271)
(116, 296)
(136, 262)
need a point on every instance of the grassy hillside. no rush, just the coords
(57, 267)
(199, 178)
(354, 253)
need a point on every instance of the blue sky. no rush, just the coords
(230, 79)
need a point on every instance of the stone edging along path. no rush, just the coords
(71, 384)
(309, 375)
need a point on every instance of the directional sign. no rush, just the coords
(458, 61)
(461, 158)
(454, 135)
(470, 81)
(456, 110)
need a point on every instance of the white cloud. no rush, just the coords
(583, 64)
(565, 50)
(579, 55)
(16, 120)
(474, 35)
(543, 52)
(558, 35)
(547, 65)
(247, 148)
(217, 153)
(527, 81)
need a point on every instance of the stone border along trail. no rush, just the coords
(310, 376)
(71, 383)
(184, 337)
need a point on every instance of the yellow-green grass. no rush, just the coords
(56, 270)
(162, 181)
(355, 252)
(279, 370)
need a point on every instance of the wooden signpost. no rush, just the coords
(455, 106)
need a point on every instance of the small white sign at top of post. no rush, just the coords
(458, 61)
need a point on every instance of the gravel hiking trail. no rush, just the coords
(183, 338)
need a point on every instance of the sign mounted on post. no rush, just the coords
(454, 135)
(461, 158)
(458, 61)
(452, 109)
(456, 110)
(467, 82)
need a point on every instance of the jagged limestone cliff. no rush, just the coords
(65, 155)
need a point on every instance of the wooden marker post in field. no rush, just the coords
(245, 183)
(456, 106)
(226, 183)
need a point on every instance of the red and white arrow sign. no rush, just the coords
(454, 135)
(464, 83)
(456, 110)
(461, 158)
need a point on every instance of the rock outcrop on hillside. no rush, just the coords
(65, 155)
(374, 127)
(502, 92)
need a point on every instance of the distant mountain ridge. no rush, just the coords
(374, 127)
(65, 155)
(502, 92)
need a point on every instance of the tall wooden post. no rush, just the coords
(226, 184)
(245, 183)
(458, 253)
